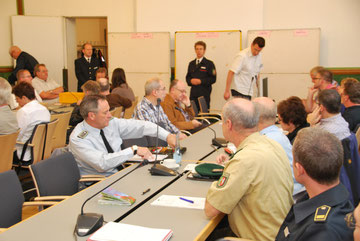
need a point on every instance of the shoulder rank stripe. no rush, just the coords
(322, 213)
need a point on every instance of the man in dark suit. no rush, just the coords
(23, 61)
(86, 66)
(201, 75)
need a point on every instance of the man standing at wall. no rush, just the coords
(86, 66)
(201, 75)
(245, 70)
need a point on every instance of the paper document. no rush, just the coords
(190, 167)
(127, 232)
(138, 158)
(175, 201)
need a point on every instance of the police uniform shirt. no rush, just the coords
(205, 71)
(89, 149)
(319, 218)
(246, 67)
(255, 189)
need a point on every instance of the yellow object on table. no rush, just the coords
(70, 97)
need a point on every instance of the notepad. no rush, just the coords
(175, 201)
(127, 232)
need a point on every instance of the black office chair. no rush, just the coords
(58, 177)
(203, 117)
(12, 199)
(204, 109)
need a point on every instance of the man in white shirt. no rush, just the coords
(47, 88)
(24, 75)
(245, 70)
(31, 114)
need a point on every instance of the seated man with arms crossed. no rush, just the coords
(96, 142)
(256, 187)
(172, 105)
(320, 214)
(47, 88)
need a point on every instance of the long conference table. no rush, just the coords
(58, 222)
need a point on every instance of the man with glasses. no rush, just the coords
(173, 105)
(319, 215)
(147, 109)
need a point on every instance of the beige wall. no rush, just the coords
(338, 19)
(7, 9)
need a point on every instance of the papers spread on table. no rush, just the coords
(190, 167)
(137, 158)
(126, 232)
(180, 202)
(114, 197)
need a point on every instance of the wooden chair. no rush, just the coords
(12, 199)
(7, 143)
(130, 111)
(112, 112)
(60, 130)
(204, 109)
(118, 111)
(51, 127)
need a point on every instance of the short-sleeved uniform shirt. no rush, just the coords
(255, 189)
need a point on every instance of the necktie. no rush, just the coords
(88, 60)
(107, 145)
(197, 62)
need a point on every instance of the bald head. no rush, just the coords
(14, 52)
(267, 110)
(242, 113)
(104, 84)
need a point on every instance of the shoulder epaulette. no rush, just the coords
(321, 214)
(83, 134)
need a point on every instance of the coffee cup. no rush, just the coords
(169, 163)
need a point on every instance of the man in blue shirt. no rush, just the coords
(266, 126)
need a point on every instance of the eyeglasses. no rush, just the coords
(182, 91)
(350, 220)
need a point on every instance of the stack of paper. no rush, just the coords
(180, 202)
(126, 232)
(112, 196)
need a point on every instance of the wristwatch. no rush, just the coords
(134, 149)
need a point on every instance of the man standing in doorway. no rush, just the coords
(201, 75)
(86, 66)
(245, 70)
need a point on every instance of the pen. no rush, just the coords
(146, 191)
(186, 200)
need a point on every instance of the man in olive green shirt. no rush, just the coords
(255, 189)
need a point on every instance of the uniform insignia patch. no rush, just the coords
(223, 180)
(349, 161)
(321, 213)
(214, 72)
(83, 134)
(286, 232)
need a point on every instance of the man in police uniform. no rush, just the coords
(86, 66)
(201, 75)
(318, 157)
(256, 187)
(96, 141)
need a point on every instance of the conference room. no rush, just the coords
(156, 39)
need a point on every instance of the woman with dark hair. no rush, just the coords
(120, 86)
(292, 116)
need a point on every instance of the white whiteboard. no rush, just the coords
(142, 56)
(288, 51)
(43, 38)
(288, 56)
(221, 48)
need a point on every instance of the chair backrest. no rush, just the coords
(49, 138)
(118, 111)
(11, 200)
(61, 129)
(38, 142)
(7, 143)
(358, 135)
(130, 111)
(193, 104)
(203, 105)
(351, 167)
(56, 176)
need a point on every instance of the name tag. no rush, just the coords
(202, 67)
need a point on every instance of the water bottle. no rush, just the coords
(177, 154)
